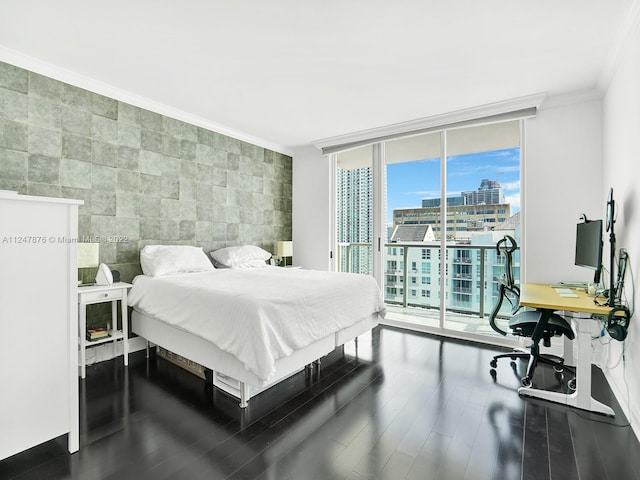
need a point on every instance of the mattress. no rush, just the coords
(259, 316)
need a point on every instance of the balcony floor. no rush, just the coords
(458, 322)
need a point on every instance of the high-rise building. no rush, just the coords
(354, 191)
(489, 193)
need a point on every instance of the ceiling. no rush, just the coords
(285, 73)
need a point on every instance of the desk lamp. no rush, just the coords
(284, 251)
(88, 254)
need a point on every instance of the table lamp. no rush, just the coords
(88, 254)
(284, 251)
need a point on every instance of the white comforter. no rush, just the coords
(259, 315)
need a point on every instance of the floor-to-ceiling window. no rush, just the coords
(354, 210)
(412, 255)
(482, 205)
(448, 196)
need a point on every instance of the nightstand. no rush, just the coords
(91, 294)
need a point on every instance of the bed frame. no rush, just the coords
(229, 374)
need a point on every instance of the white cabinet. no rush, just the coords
(38, 321)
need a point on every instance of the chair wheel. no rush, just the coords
(493, 363)
(525, 381)
(572, 384)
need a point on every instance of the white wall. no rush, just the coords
(621, 158)
(311, 209)
(562, 171)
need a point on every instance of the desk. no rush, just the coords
(547, 300)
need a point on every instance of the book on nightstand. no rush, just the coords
(97, 333)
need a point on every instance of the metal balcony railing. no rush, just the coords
(475, 290)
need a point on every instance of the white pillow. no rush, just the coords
(243, 256)
(249, 264)
(159, 260)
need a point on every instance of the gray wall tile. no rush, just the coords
(14, 164)
(13, 135)
(44, 113)
(104, 153)
(75, 121)
(14, 78)
(43, 169)
(14, 105)
(44, 87)
(76, 147)
(45, 142)
(75, 173)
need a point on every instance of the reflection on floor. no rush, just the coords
(404, 406)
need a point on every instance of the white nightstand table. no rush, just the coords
(90, 294)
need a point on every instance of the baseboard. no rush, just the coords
(622, 396)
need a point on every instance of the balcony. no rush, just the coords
(468, 301)
(463, 260)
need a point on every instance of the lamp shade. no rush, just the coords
(88, 255)
(285, 249)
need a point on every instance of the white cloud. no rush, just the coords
(425, 193)
(514, 200)
(511, 185)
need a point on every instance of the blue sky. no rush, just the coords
(409, 183)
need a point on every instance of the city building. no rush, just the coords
(471, 211)
(472, 270)
(354, 193)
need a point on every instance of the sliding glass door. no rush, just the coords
(411, 282)
(354, 210)
(482, 205)
(446, 197)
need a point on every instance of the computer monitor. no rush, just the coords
(589, 246)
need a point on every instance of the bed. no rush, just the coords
(252, 327)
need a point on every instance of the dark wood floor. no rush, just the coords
(408, 406)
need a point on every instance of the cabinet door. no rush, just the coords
(35, 323)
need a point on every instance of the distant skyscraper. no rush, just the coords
(489, 193)
(354, 191)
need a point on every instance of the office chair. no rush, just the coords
(535, 324)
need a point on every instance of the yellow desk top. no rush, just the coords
(538, 295)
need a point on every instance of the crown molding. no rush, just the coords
(457, 116)
(70, 77)
(572, 98)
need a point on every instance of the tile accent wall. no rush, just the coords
(145, 178)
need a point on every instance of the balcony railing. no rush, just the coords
(474, 293)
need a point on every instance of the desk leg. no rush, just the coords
(581, 398)
(567, 352)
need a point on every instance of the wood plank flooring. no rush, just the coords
(404, 406)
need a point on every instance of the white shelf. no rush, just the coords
(114, 336)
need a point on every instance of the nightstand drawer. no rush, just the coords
(92, 297)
